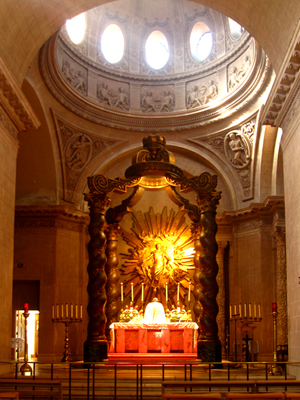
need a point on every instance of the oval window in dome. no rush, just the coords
(201, 41)
(157, 50)
(236, 29)
(76, 28)
(112, 43)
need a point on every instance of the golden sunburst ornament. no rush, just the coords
(161, 254)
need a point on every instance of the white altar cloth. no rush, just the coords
(172, 337)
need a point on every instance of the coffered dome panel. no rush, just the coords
(167, 70)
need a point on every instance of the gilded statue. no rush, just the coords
(158, 265)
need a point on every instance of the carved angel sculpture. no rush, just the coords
(237, 148)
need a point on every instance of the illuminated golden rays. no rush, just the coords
(161, 252)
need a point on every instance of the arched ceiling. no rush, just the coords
(35, 22)
(184, 94)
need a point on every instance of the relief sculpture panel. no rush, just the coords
(75, 77)
(199, 94)
(157, 99)
(113, 95)
(77, 150)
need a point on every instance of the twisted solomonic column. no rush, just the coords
(209, 345)
(95, 347)
(195, 230)
(111, 268)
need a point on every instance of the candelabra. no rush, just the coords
(67, 321)
(235, 318)
(26, 367)
(275, 368)
(247, 324)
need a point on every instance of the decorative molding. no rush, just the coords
(16, 113)
(78, 148)
(59, 217)
(236, 147)
(285, 91)
(133, 116)
(256, 216)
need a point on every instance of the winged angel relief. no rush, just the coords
(161, 252)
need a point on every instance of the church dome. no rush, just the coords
(156, 65)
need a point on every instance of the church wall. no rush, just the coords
(52, 248)
(8, 153)
(291, 151)
(251, 279)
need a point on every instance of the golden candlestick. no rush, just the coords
(275, 368)
(26, 367)
(67, 321)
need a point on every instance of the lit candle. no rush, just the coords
(178, 292)
(81, 311)
(57, 310)
(62, 310)
(254, 310)
(240, 309)
(67, 310)
(166, 292)
(259, 313)
(121, 291)
(245, 310)
(71, 310)
(189, 295)
(235, 309)
(230, 314)
(76, 311)
(132, 298)
(142, 291)
(52, 310)
(249, 309)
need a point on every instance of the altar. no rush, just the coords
(170, 337)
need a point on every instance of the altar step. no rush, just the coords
(151, 357)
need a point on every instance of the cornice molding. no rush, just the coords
(137, 119)
(267, 211)
(59, 217)
(285, 87)
(16, 112)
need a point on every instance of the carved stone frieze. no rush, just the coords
(156, 99)
(59, 217)
(238, 71)
(198, 96)
(253, 217)
(77, 150)
(76, 78)
(113, 97)
(252, 224)
(16, 113)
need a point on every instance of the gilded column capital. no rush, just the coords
(279, 235)
(97, 202)
(207, 202)
(222, 244)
